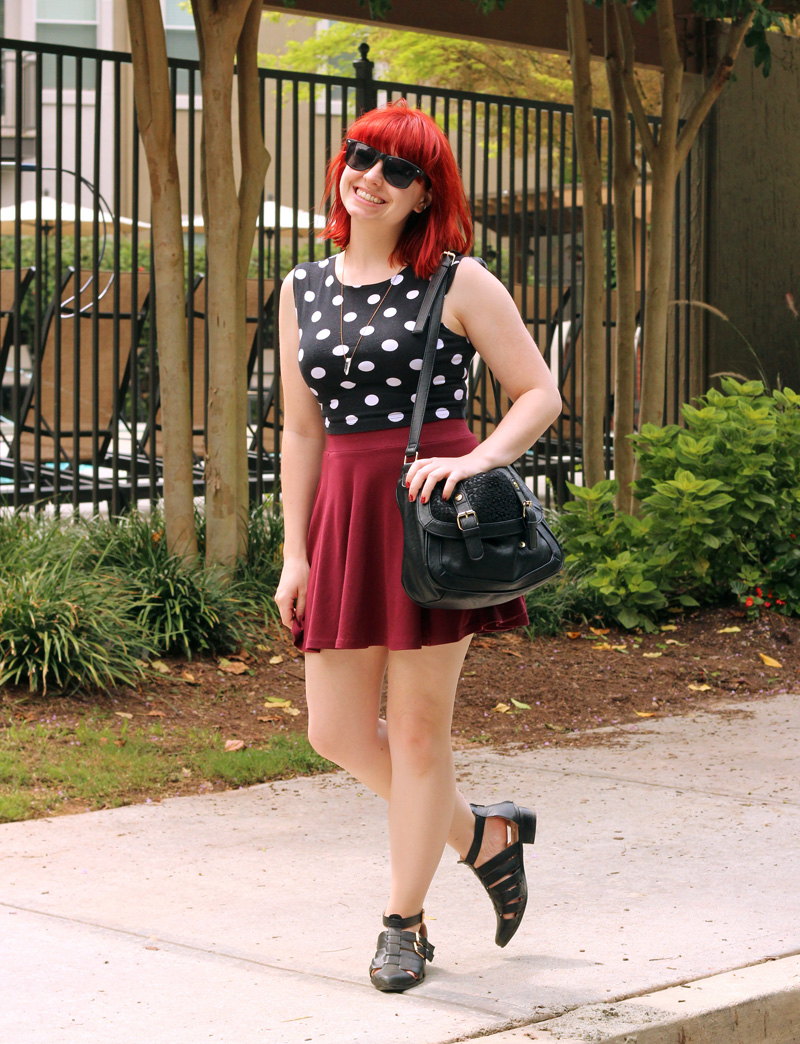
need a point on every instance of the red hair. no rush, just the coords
(398, 130)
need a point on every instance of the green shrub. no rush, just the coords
(260, 573)
(61, 629)
(720, 502)
(185, 608)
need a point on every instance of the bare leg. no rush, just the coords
(422, 798)
(343, 690)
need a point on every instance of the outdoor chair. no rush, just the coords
(74, 402)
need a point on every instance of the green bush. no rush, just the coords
(62, 629)
(260, 573)
(185, 608)
(720, 501)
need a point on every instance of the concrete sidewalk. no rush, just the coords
(666, 856)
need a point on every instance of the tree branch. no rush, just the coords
(629, 82)
(713, 89)
(672, 65)
(254, 156)
(139, 55)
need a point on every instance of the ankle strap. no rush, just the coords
(396, 921)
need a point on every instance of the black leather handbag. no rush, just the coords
(489, 542)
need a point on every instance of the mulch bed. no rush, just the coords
(568, 686)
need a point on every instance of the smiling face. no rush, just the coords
(368, 196)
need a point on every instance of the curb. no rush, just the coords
(753, 1005)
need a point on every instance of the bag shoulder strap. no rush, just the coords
(430, 312)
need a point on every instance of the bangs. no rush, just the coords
(399, 132)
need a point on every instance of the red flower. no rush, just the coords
(748, 601)
(779, 601)
(758, 592)
(767, 604)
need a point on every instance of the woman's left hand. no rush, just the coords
(427, 472)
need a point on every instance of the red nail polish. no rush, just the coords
(408, 483)
(424, 500)
(411, 497)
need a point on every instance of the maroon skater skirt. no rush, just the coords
(355, 547)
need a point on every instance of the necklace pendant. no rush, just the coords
(347, 362)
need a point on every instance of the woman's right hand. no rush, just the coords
(290, 596)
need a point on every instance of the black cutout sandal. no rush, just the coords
(509, 896)
(400, 953)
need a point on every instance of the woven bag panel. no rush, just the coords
(491, 496)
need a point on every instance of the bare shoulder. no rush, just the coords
(476, 289)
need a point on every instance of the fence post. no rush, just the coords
(366, 95)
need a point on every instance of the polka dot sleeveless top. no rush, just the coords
(380, 387)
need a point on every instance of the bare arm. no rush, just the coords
(301, 455)
(480, 307)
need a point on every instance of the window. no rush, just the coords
(70, 22)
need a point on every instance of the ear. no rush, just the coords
(424, 203)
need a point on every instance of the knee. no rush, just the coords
(418, 744)
(326, 740)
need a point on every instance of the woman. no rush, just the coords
(350, 365)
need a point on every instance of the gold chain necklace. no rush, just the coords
(349, 358)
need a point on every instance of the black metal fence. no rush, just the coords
(80, 406)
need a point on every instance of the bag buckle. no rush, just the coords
(451, 254)
(406, 462)
(465, 514)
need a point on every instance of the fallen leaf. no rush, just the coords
(103, 740)
(644, 714)
(140, 663)
(276, 703)
(652, 656)
(231, 667)
(234, 745)
(242, 654)
(156, 714)
(769, 661)
(669, 627)
(271, 718)
(699, 688)
(512, 652)
(599, 630)
(573, 634)
(160, 666)
(522, 706)
(123, 714)
(674, 641)
(502, 708)
(468, 674)
(728, 630)
(601, 645)
(189, 678)
(276, 659)
(556, 728)
(620, 648)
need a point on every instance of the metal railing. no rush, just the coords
(64, 438)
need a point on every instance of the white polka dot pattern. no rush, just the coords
(380, 348)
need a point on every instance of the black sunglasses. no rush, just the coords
(398, 172)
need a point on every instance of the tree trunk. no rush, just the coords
(254, 163)
(154, 113)
(594, 356)
(219, 26)
(624, 182)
